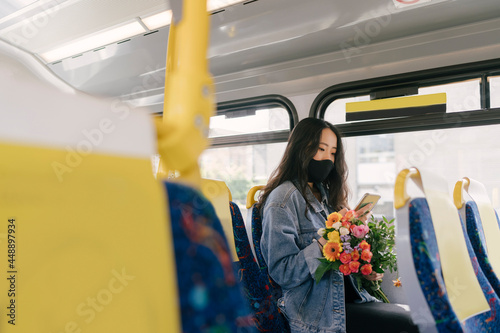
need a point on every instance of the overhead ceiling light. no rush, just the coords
(158, 20)
(165, 18)
(218, 4)
(93, 41)
(106, 37)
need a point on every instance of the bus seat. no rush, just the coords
(208, 286)
(483, 243)
(432, 254)
(255, 282)
(82, 216)
(217, 192)
(256, 223)
(254, 236)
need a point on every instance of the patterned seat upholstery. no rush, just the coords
(211, 298)
(476, 237)
(256, 285)
(428, 268)
(276, 292)
(256, 235)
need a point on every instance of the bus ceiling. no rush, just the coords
(117, 48)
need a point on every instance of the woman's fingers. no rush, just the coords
(365, 213)
(374, 276)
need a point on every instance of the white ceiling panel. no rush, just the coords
(8, 7)
(61, 24)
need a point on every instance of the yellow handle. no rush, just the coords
(251, 195)
(460, 186)
(400, 195)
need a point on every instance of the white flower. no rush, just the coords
(343, 231)
(337, 225)
(321, 231)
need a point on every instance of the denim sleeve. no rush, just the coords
(288, 264)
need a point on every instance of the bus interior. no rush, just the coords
(276, 62)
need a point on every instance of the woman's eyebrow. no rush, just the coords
(323, 143)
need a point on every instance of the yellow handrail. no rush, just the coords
(458, 198)
(400, 195)
(189, 92)
(251, 195)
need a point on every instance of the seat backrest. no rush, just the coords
(217, 192)
(255, 282)
(475, 233)
(249, 225)
(208, 286)
(257, 235)
(478, 213)
(443, 291)
(84, 222)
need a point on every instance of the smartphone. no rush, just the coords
(366, 199)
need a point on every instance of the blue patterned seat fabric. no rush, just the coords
(476, 237)
(266, 315)
(256, 235)
(276, 292)
(427, 262)
(211, 298)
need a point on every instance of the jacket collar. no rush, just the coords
(316, 205)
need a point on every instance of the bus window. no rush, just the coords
(248, 122)
(460, 96)
(494, 91)
(247, 140)
(335, 113)
(375, 160)
(241, 167)
(449, 144)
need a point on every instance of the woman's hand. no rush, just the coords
(365, 213)
(374, 276)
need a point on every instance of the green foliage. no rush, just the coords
(324, 267)
(382, 240)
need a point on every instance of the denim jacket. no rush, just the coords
(290, 249)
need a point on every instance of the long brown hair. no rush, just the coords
(302, 145)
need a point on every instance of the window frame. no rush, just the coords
(444, 75)
(255, 103)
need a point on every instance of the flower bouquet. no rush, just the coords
(356, 248)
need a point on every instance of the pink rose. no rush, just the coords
(360, 231)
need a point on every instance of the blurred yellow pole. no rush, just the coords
(189, 102)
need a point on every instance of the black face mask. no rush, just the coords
(319, 170)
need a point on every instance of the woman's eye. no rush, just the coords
(321, 149)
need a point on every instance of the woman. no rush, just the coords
(309, 183)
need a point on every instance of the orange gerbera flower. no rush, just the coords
(364, 245)
(333, 218)
(332, 250)
(345, 269)
(366, 269)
